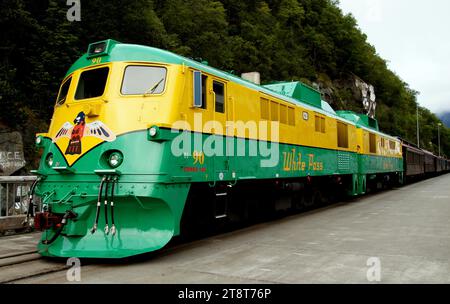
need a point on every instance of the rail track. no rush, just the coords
(27, 264)
(19, 260)
(20, 266)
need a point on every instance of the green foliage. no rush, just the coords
(308, 40)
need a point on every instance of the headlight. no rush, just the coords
(115, 159)
(49, 159)
(38, 140)
(153, 131)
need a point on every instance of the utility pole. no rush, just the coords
(439, 138)
(418, 130)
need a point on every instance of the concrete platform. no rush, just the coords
(407, 230)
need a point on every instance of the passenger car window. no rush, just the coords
(139, 80)
(92, 83)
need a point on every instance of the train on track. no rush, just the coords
(144, 145)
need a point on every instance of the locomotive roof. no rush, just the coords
(116, 51)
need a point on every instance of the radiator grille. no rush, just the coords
(343, 161)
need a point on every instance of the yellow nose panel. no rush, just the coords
(86, 144)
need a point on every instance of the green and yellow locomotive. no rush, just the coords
(143, 140)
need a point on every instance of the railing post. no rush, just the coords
(7, 199)
(8, 188)
(1, 200)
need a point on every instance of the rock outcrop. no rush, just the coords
(11, 152)
(341, 92)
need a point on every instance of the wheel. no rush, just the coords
(298, 201)
(313, 198)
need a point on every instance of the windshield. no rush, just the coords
(63, 92)
(92, 83)
(139, 80)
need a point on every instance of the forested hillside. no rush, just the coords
(308, 40)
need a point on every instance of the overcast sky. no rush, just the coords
(414, 37)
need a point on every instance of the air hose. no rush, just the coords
(30, 209)
(97, 214)
(106, 206)
(68, 215)
(113, 226)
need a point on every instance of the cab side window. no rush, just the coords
(92, 83)
(219, 91)
(63, 92)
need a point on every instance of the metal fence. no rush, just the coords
(14, 195)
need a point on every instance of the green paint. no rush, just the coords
(154, 184)
(369, 164)
(299, 91)
(144, 224)
(360, 120)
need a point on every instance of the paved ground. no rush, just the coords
(10, 245)
(407, 230)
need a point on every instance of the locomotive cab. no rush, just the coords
(99, 148)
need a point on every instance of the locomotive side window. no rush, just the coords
(291, 116)
(143, 80)
(342, 135)
(63, 92)
(92, 83)
(219, 90)
(274, 110)
(392, 145)
(320, 124)
(372, 143)
(265, 109)
(283, 114)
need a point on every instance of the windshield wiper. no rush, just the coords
(61, 101)
(153, 88)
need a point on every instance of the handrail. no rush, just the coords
(15, 196)
(17, 179)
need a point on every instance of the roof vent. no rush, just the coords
(254, 77)
(299, 91)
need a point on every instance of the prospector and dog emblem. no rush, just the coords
(76, 132)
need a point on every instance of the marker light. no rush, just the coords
(153, 131)
(97, 48)
(115, 159)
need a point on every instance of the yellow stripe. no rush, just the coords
(124, 114)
